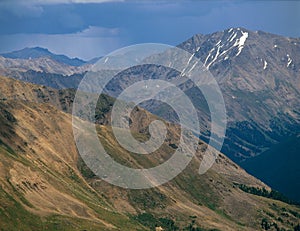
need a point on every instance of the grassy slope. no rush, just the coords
(42, 187)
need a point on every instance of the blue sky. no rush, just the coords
(91, 28)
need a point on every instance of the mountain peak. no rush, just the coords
(237, 29)
(40, 52)
(37, 49)
(260, 49)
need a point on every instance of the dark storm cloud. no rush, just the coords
(138, 21)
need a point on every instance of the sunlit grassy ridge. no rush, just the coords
(46, 185)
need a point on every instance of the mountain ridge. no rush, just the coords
(38, 52)
(40, 167)
(259, 80)
(258, 76)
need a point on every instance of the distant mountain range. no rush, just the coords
(38, 52)
(43, 53)
(258, 72)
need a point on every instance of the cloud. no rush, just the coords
(94, 31)
(48, 2)
(34, 8)
(58, 24)
(21, 8)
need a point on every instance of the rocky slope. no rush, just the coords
(45, 184)
(259, 74)
(16, 67)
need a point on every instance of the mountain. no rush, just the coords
(53, 80)
(258, 74)
(45, 184)
(41, 187)
(16, 68)
(38, 52)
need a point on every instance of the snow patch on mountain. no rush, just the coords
(265, 64)
(289, 60)
(188, 63)
(240, 42)
(217, 54)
